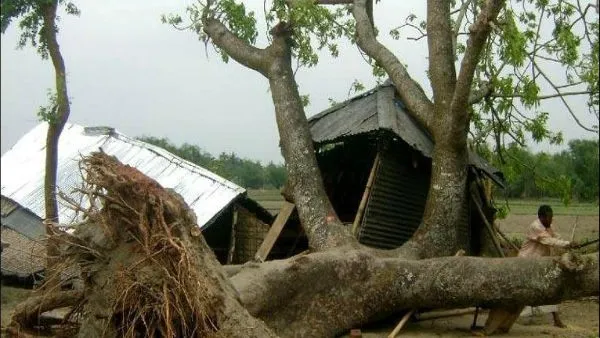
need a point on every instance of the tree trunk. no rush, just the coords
(56, 123)
(445, 205)
(325, 294)
(322, 226)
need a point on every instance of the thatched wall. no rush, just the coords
(249, 234)
(24, 256)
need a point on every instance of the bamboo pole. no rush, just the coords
(574, 227)
(489, 228)
(446, 313)
(365, 196)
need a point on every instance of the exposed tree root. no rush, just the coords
(147, 271)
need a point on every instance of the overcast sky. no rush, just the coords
(127, 70)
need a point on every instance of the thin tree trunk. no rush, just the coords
(56, 124)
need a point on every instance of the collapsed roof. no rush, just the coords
(380, 110)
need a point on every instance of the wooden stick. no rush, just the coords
(574, 227)
(405, 318)
(365, 196)
(232, 238)
(274, 231)
(506, 239)
(401, 323)
(489, 228)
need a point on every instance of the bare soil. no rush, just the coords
(580, 316)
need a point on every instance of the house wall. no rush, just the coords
(249, 234)
(397, 201)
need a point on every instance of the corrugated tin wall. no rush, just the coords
(396, 203)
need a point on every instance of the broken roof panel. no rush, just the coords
(380, 109)
(22, 172)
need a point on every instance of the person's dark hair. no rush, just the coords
(544, 210)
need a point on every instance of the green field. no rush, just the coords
(271, 200)
(529, 207)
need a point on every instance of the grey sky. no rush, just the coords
(127, 70)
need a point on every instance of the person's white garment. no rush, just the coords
(540, 241)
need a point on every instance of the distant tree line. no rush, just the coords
(569, 175)
(247, 173)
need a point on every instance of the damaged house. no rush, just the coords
(375, 160)
(220, 205)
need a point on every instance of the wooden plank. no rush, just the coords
(365, 196)
(232, 238)
(274, 231)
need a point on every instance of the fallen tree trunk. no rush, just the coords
(313, 288)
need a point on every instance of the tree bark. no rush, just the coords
(56, 124)
(344, 288)
(446, 118)
(317, 216)
(321, 224)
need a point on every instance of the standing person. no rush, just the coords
(540, 240)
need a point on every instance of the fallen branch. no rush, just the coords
(27, 314)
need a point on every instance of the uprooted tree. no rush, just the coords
(146, 269)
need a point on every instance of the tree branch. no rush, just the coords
(247, 55)
(409, 90)
(562, 98)
(461, 14)
(480, 30)
(441, 53)
(544, 97)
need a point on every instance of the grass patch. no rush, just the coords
(265, 195)
(529, 207)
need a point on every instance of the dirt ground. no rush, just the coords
(581, 318)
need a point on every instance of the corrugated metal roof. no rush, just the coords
(22, 172)
(380, 109)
